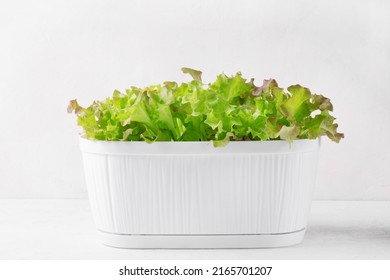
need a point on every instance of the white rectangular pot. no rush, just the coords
(193, 195)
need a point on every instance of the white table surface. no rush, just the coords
(64, 229)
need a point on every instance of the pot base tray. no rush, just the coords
(201, 241)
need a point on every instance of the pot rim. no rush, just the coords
(197, 148)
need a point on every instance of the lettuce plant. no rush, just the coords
(229, 109)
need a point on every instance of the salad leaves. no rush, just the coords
(229, 109)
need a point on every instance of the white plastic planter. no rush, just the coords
(192, 195)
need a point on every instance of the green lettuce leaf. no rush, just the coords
(231, 108)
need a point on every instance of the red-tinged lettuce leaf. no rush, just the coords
(75, 107)
(267, 86)
(321, 102)
(195, 74)
(330, 128)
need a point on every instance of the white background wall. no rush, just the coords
(54, 51)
